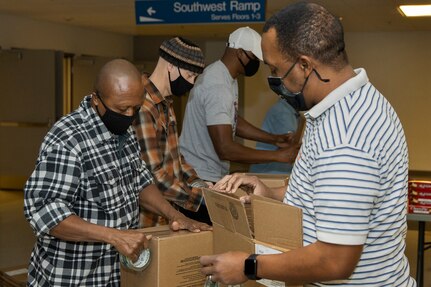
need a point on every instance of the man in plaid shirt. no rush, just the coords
(180, 62)
(82, 200)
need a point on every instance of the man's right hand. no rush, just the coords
(130, 242)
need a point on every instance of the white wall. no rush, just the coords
(20, 32)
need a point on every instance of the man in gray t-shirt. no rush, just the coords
(211, 120)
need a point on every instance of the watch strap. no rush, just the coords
(250, 267)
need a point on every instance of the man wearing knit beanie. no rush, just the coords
(179, 64)
(211, 120)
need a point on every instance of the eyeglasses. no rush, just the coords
(276, 80)
(291, 68)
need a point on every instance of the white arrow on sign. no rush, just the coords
(151, 11)
(143, 19)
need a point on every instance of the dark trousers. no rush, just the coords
(200, 215)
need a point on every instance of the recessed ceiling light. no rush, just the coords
(415, 10)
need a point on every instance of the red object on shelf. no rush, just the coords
(420, 201)
(419, 194)
(419, 209)
(422, 186)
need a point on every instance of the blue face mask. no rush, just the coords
(296, 100)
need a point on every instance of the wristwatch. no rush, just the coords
(250, 267)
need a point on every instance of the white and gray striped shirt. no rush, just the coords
(350, 180)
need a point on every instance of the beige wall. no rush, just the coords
(35, 39)
(19, 32)
(398, 64)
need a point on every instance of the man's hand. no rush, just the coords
(227, 268)
(285, 140)
(209, 183)
(288, 154)
(182, 222)
(230, 183)
(152, 199)
(130, 242)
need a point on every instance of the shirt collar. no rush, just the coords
(153, 92)
(226, 71)
(97, 130)
(339, 93)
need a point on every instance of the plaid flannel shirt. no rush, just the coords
(82, 170)
(156, 130)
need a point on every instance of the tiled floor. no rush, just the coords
(16, 237)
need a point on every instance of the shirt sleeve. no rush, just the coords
(280, 119)
(189, 174)
(173, 189)
(346, 188)
(219, 108)
(51, 189)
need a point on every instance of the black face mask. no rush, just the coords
(252, 66)
(296, 100)
(115, 122)
(179, 86)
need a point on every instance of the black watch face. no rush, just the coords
(250, 268)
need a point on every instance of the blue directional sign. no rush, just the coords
(198, 11)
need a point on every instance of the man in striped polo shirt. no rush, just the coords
(350, 176)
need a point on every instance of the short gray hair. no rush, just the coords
(309, 29)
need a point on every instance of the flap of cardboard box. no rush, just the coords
(272, 180)
(277, 223)
(228, 211)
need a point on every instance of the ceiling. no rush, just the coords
(118, 16)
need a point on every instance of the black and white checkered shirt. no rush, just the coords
(82, 170)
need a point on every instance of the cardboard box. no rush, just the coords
(272, 180)
(14, 276)
(174, 259)
(264, 222)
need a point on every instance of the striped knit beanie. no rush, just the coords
(183, 54)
